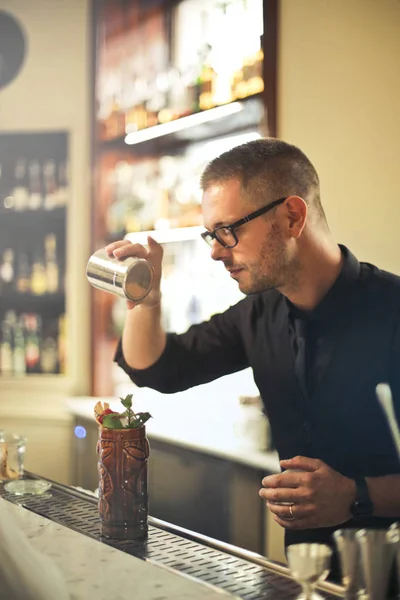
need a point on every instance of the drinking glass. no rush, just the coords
(377, 556)
(349, 557)
(393, 536)
(309, 564)
(12, 456)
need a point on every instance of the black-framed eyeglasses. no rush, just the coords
(226, 234)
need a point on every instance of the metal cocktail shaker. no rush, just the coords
(130, 278)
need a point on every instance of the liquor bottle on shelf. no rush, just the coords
(177, 98)
(193, 88)
(62, 183)
(7, 271)
(52, 271)
(32, 346)
(6, 349)
(19, 348)
(39, 275)
(23, 277)
(115, 124)
(20, 192)
(35, 186)
(49, 350)
(50, 185)
(62, 344)
(6, 198)
(206, 81)
(256, 82)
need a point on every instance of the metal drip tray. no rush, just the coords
(243, 574)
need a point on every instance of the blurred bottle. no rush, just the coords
(35, 186)
(193, 87)
(52, 271)
(6, 349)
(20, 191)
(49, 350)
(19, 348)
(6, 197)
(62, 183)
(177, 97)
(206, 81)
(62, 344)
(115, 124)
(32, 347)
(7, 271)
(39, 275)
(23, 277)
(50, 185)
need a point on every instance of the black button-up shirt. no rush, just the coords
(352, 344)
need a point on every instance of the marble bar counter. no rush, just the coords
(199, 421)
(89, 569)
(57, 534)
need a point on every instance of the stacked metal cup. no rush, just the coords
(366, 560)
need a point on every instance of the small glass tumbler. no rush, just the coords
(12, 457)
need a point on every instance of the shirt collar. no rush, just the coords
(336, 295)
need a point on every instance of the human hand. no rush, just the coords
(153, 254)
(318, 495)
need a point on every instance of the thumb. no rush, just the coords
(155, 248)
(301, 463)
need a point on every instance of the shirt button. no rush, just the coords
(307, 426)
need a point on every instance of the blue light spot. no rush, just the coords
(80, 432)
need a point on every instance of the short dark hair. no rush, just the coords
(267, 169)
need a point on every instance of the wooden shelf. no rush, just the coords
(209, 124)
(37, 219)
(48, 305)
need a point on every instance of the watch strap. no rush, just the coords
(362, 506)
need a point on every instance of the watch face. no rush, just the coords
(361, 510)
(12, 48)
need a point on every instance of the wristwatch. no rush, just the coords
(362, 506)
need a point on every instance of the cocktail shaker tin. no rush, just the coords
(130, 278)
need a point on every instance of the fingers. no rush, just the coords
(286, 512)
(125, 248)
(155, 249)
(279, 496)
(130, 304)
(302, 463)
(288, 479)
(291, 523)
(114, 245)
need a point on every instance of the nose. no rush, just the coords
(218, 252)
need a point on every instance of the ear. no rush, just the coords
(296, 215)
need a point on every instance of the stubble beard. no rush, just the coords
(274, 269)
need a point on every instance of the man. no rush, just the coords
(319, 329)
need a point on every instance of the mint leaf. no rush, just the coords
(134, 425)
(144, 416)
(139, 420)
(112, 422)
(127, 401)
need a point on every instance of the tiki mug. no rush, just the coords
(122, 467)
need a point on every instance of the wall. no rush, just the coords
(52, 93)
(338, 99)
(338, 91)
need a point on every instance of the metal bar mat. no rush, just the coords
(240, 577)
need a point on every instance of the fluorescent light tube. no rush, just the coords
(199, 118)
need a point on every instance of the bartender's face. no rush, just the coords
(260, 260)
